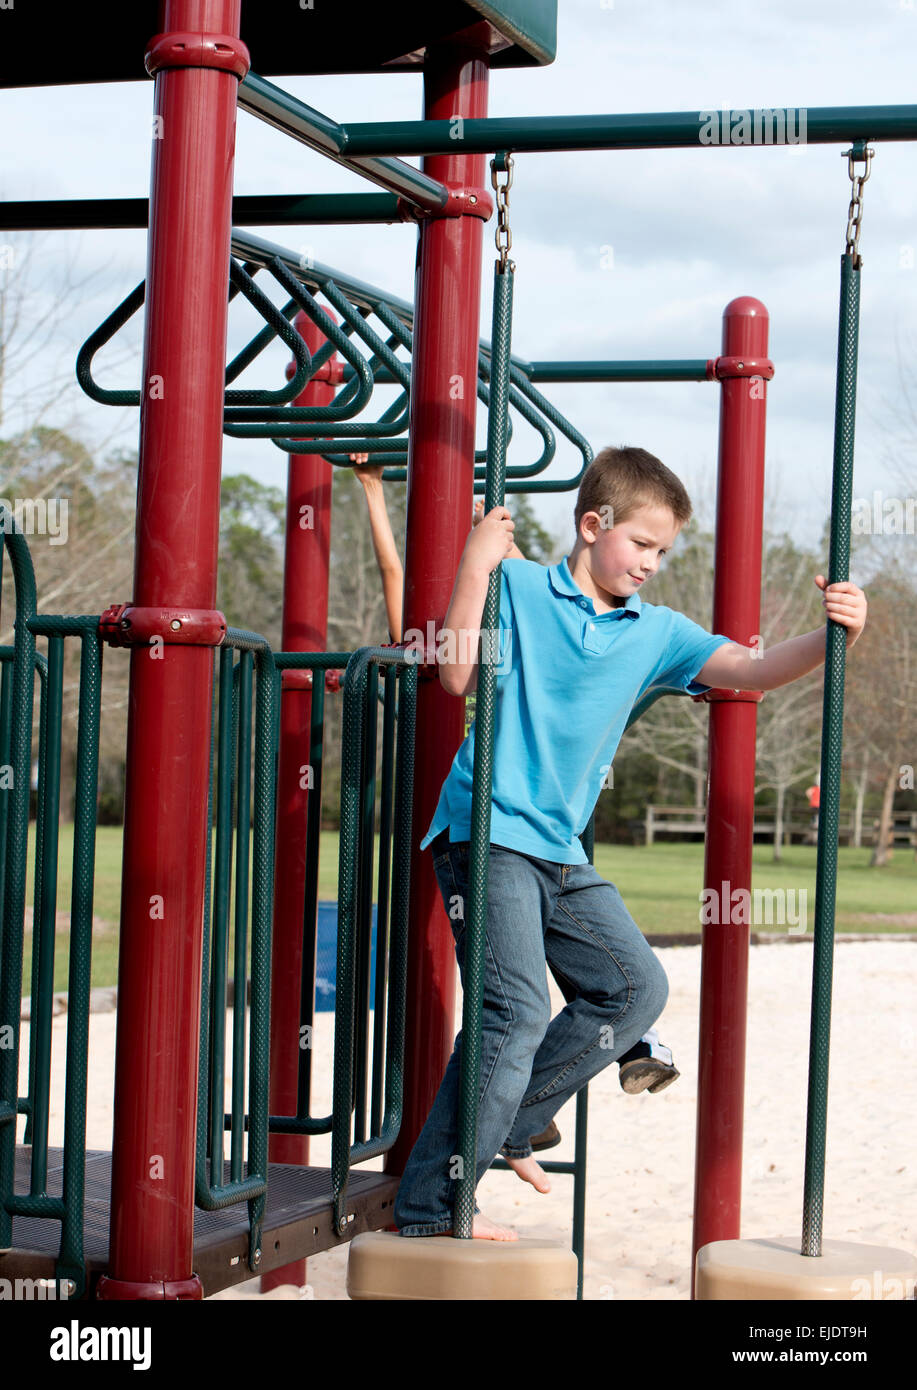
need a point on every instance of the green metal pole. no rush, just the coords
(485, 723)
(831, 747)
(700, 130)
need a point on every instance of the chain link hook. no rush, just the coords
(503, 236)
(858, 153)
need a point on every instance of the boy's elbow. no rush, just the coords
(456, 682)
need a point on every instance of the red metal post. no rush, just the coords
(197, 60)
(440, 479)
(730, 797)
(305, 628)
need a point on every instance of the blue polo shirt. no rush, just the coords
(567, 680)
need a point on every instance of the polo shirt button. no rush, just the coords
(592, 627)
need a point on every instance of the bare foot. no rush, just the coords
(529, 1170)
(482, 1228)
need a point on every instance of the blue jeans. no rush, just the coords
(539, 913)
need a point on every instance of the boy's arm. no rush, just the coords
(488, 544)
(734, 667)
(387, 557)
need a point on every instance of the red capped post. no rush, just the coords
(197, 61)
(743, 371)
(307, 557)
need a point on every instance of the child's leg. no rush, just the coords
(617, 989)
(516, 1013)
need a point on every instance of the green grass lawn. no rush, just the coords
(660, 883)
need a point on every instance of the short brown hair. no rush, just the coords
(625, 479)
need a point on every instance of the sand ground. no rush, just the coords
(641, 1148)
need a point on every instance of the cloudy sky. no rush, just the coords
(689, 230)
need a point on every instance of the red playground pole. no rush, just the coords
(440, 478)
(305, 629)
(743, 370)
(197, 60)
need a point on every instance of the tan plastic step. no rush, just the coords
(772, 1269)
(384, 1265)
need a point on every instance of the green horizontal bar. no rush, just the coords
(824, 125)
(268, 210)
(281, 110)
(18, 1204)
(676, 370)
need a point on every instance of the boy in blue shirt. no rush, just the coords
(578, 646)
(649, 1064)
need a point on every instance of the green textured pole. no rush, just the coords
(44, 916)
(240, 941)
(485, 720)
(831, 745)
(71, 1263)
(17, 829)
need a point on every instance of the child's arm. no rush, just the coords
(488, 544)
(735, 667)
(387, 558)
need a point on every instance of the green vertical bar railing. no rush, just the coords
(240, 953)
(485, 719)
(365, 901)
(318, 663)
(68, 1207)
(310, 893)
(389, 711)
(255, 814)
(831, 748)
(44, 911)
(13, 852)
(359, 714)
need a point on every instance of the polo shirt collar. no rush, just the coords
(562, 582)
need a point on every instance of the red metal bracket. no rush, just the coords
(720, 368)
(190, 50)
(711, 696)
(123, 625)
(464, 200)
(332, 370)
(303, 680)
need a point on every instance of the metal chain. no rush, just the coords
(855, 211)
(503, 237)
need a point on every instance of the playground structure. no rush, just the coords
(182, 1219)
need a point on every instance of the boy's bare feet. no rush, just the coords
(482, 1228)
(529, 1170)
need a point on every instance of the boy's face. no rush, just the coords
(622, 558)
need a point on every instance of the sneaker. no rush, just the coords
(646, 1074)
(648, 1066)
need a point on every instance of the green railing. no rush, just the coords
(369, 1055)
(16, 742)
(250, 681)
(350, 1142)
